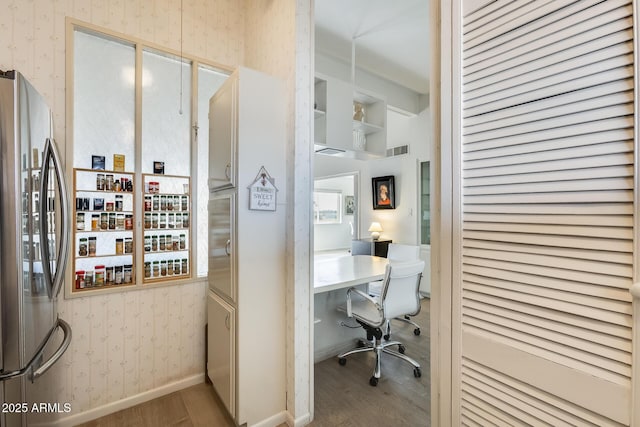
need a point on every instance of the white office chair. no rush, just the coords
(400, 296)
(398, 252)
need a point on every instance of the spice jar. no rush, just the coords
(118, 203)
(185, 220)
(163, 203)
(155, 204)
(128, 245)
(110, 206)
(185, 266)
(147, 203)
(116, 185)
(163, 268)
(147, 269)
(128, 222)
(109, 183)
(92, 246)
(80, 279)
(99, 275)
(175, 244)
(100, 182)
(119, 247)
(95, 222)
(162, 243)
(83, 248)
(147, 220)
(170, 220)
(88, 279)
(183, 242)
(109, 276)
(176, 267)
(120, 222)
(104, 221)
(176, 203)
(112, 221)
(163, 220)
(154, 221)
(118, 275)
(154, 243)
(147, 243)
(156, 268)
(185, 203)
(127, 273)
(80, 221)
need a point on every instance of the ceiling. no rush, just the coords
(391, 37)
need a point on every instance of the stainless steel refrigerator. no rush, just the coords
(34, 246)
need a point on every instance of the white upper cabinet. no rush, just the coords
(349, 122)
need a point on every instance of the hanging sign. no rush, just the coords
(262, 192)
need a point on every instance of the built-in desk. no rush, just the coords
(332, 278)
(378, 247)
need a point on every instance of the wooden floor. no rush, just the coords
(343, 396)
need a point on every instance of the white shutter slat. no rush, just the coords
(549, 51)
(598, 367)
(552, 229)
(487, 411)
(619, 282)
(475, 416)
(623, 183)
(518, 123)
(528, 414)
(580, 77)
(624, 170)
(522, 258)
(609, 398)
(542, 323)
(558, 316)
(614, 129)
(618, 196)
(474, 273)
(597, 220)
(556, 103)
(571, 81)
(590, 351)
(567, 253)
(561, 408)
(556, 208)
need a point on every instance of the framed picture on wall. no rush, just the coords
(349, 205)
(384, 192)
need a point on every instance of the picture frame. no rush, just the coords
(349, 205)
(97, 162)
(383, 192)
(158, 168)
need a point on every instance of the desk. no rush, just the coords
(332, 278)
(378, 247)
(347, 271)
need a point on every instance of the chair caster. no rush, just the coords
(416, 331)
(342, 361)
(386, 337)
(401, 349)
(417, 372)
(373, 381)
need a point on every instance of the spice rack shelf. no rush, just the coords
(166, 227)
(103, 247)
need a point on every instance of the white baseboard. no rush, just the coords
(273, 421)
(298, 422)
(127, 402)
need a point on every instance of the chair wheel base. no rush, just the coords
(373, 381)
(342, 361)
(401, 349)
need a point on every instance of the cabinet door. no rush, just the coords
(222, 136)
(221, 350)
(221, 245)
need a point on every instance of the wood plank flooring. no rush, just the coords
(343, 396)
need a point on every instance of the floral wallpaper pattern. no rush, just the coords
(130, 342)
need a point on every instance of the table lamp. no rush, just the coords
(375, 229)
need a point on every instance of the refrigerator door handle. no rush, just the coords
(66, 329)
(54, 283)
(38, 354)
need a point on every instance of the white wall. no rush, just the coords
(400, 224)
(126, 345)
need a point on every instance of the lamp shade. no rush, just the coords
(375, 229)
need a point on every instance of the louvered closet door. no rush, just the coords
(547, 199)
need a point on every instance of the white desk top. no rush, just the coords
(347, 271)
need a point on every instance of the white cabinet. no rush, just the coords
(247, 273)
(221, 333)
(222, 136)
(338, 130)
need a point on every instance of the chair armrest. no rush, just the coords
(366, 296)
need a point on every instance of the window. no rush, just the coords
(167, 124)
(327, 207)
(425, 203)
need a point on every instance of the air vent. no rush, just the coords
(398, 151)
